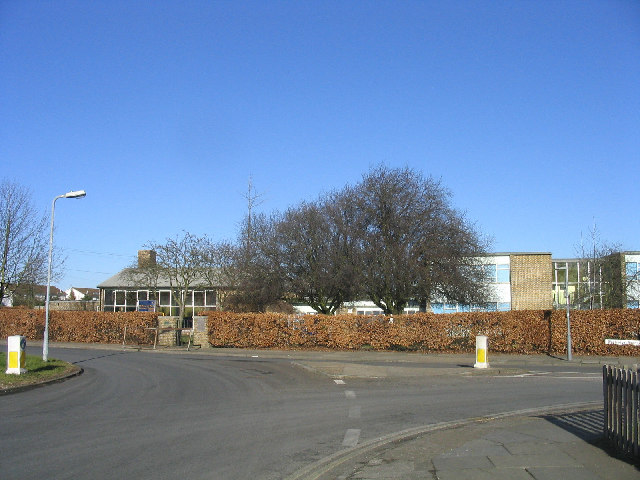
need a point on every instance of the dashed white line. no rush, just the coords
(351, 438)
(352, 435)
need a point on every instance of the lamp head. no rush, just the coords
(75, 194)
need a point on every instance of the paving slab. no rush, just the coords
(492, 474)
(389, 470)
(462, 463)
(478, 447)
(563, 473)
(553, 459)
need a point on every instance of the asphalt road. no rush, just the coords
(156, 415)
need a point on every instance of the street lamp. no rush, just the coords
(45, 343)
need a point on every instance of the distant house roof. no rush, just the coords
(39, 291)
(87, 291)
(84, 292)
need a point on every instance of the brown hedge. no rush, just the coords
(79, 326)
(521, 332)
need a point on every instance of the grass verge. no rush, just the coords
(37, 371)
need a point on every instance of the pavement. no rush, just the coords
(552, 443)
(557, 442)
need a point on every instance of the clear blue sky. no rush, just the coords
(529, 112)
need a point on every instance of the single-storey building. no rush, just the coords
(125, 291)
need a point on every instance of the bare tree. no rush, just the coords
(185, 262)
(413, 244)
(316, 253)
(23, 243)
(601, 274)
(253, 200)
(393, 238)
(255, 273)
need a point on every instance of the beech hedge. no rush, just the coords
(518, 332)
(79, 326)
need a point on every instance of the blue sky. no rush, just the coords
(528, 111)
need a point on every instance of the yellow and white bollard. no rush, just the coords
(481, 352)
(16, 358)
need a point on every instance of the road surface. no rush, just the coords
(239, 416)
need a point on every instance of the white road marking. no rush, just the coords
(351, 438)
(350, 394)
(339, 382)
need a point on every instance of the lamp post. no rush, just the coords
(45, 343)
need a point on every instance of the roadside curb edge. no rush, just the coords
(325, 465)
(74, 372)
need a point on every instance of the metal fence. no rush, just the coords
(621, 388)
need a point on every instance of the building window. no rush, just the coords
(198, 299)
(210, 298)
(165, 298)
(503, 273)
(450, 308)
(462, 307)
(632, 269)
(504, 306)
(108, 297)
(437, 307)
(491, 273)
(497, 273)
(120, 298)
(633, 304)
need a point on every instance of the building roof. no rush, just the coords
(132, 278)
(586, 259)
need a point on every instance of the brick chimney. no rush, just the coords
(146, 258)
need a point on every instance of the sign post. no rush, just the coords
(16, 358)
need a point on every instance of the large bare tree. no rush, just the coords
(393, 238)
(255, 273)
(413, 244)
(316, 253)
(23, 242)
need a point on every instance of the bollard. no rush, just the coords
(481, 352)
(16, 357)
